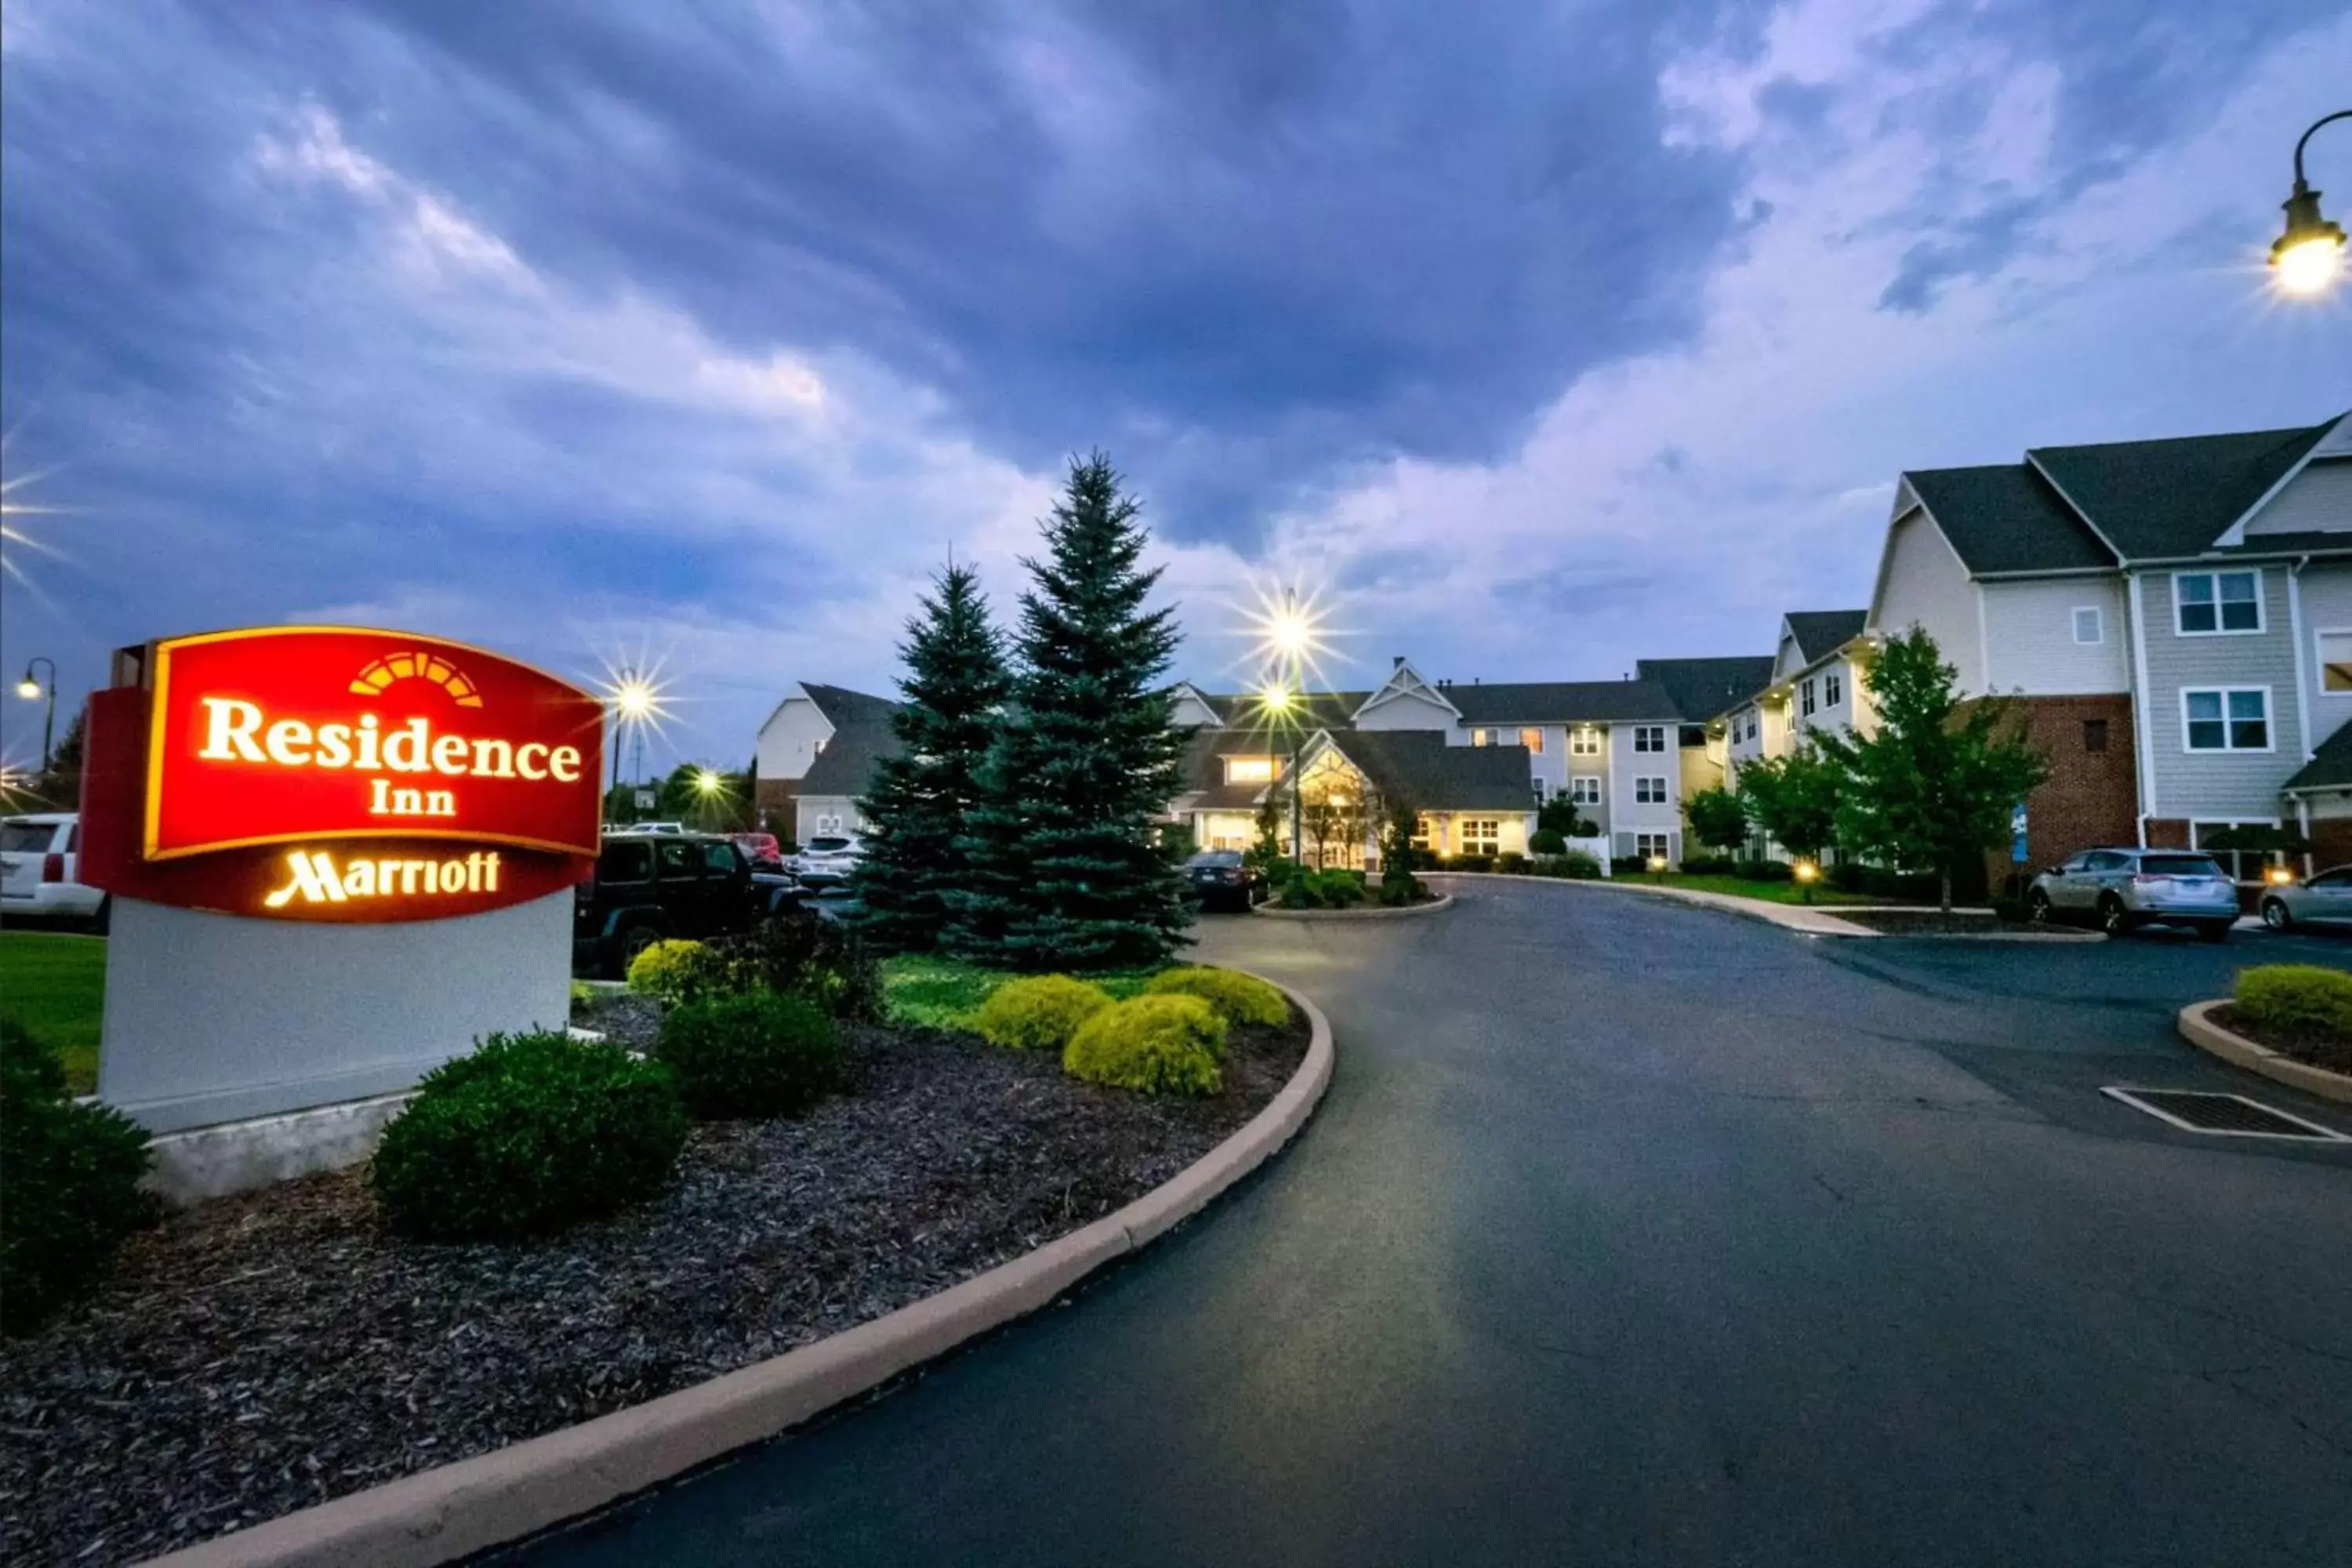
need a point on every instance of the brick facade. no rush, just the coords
(2093, 794)
(775, 804)
(2331, 842)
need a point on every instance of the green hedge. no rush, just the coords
(660, 970)
(1575, 866)
(529, 1135)
(1548, 841)
(1158, 1045)
(2297, 998)
(1038, 1013)
(71, 1183)
(795, 954)
(1238, 998)
(752, 1054)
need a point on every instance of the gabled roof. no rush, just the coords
(860, 739)
(1417, 767)
(2005, 518)
(2159, 500)
(1821, 633)
(1700, 689)
(843, 708)
(1320, 710)
(2330, 766)
(1205, 787)
(1562, 701)
(1404, 682)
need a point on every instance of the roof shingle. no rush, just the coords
(1821, 633)
(2006, 517)
(2156, 499)
(1701, 689)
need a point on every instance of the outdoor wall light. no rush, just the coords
(2306, 259)
(1657, 864)
(2277, 876)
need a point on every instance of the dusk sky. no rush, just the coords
(1540, 337)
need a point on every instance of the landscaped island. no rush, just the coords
(261, 1354)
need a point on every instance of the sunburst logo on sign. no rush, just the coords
(380, 675)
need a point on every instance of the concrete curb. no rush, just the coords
(2198, 1029)
(440, 1515)
(1809, 921)
(1443, 901)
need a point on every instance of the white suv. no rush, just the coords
(828, 859)
(39, 855)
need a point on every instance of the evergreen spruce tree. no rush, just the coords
(955, 688)
(1062, 866)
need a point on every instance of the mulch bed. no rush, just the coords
(263, 1353)
(2317, 1048)
(1934, 923)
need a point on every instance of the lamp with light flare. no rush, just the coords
(1805, 870)
(706, 783)
(2278, 876)
(2308, 258)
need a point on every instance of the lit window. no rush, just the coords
(1584, 741)
(1653, 845)
(2335, 661)
(1480, 835)
(1584, 790)
(1650, 738)
(2229, 719)
(1650, 791)
(1532, 740)
(1482, 737)
(2087, 628)
(1249, 769)
(2207, 603)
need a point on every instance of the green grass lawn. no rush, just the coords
(940, 994)
(1739, 887)
(54, 986)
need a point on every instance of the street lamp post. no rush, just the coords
(632, 701)
(32, 690)
(2307, 258)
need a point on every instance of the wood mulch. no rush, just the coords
(260, 1354)
(2317, 1048)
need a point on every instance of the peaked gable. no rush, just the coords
(2177, 498)
(1394, 702)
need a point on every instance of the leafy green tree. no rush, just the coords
(1717, 819)
(1266, 852)
(1069, 874)
(1398, 825)
(1793, 800)
(1936, 783)
(918, 805)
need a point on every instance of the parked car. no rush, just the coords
(649, 886)
(647, 828)
(2120, 890)
(826, 860)
(40, 854)
(2325, 900)
(761, 850)
(1220, 878)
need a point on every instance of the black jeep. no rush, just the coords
(649, 886)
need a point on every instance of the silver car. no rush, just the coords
(826, 860)
(2118, 889)
(2325, 900)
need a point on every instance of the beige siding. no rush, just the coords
(1626, 814)
(1405, 711)
(2030, 636)
(1924, 585)
(2318, 499)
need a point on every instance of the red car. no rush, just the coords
(761, 850)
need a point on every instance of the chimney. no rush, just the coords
(1396, 661)
(1474, 681)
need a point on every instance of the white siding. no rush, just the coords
(816, 814)
(1628, 815)
(1192, 712)
(2318, 499)
(1790, 660)
(790, 739)
(1405, 711)
(2030, 636)
(1924, 585)
(1826, 715)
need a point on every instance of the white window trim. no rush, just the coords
(1576, 795)
(1661, 798)
(1658, 730)
(1583, 741)
(1832, 688)
(2261, 608)
(2270, 724)
(2319, 662)
(2098, 626)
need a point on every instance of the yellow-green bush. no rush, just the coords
(1159, 1045)
(2297, 997)
(1039, 1014)
(657, 971)
(1238, 998)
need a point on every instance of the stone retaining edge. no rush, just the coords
(1443, 901)
(2198, 1029)
(456, 1509)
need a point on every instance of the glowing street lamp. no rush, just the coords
(2306, 259)
(632, 701)
(1806, 872)
(32, 690)
(708, 783)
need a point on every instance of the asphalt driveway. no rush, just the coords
(1635, 1233)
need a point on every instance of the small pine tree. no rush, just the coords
(1933, 786)
(919, 800)
(1066, 871)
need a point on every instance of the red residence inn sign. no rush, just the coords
(332, 774)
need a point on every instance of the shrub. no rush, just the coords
(1627, 865)
(1574, 866)
(1511, 863)
(530, 1133)
(750, 1054)
(1762, 870)
(794, 954)
(72, 1173)
(1238, 998)
(1709, 865)
(1547, 841)
(1400, 887)
(1340, 889)
(1159, 1045)
(2297, 998)
(1300, 891)
(1470, 863)
(1040, 1013)
(661, 969)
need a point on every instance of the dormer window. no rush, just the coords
(1249, 769)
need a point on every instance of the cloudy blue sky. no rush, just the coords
(1539, 336)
